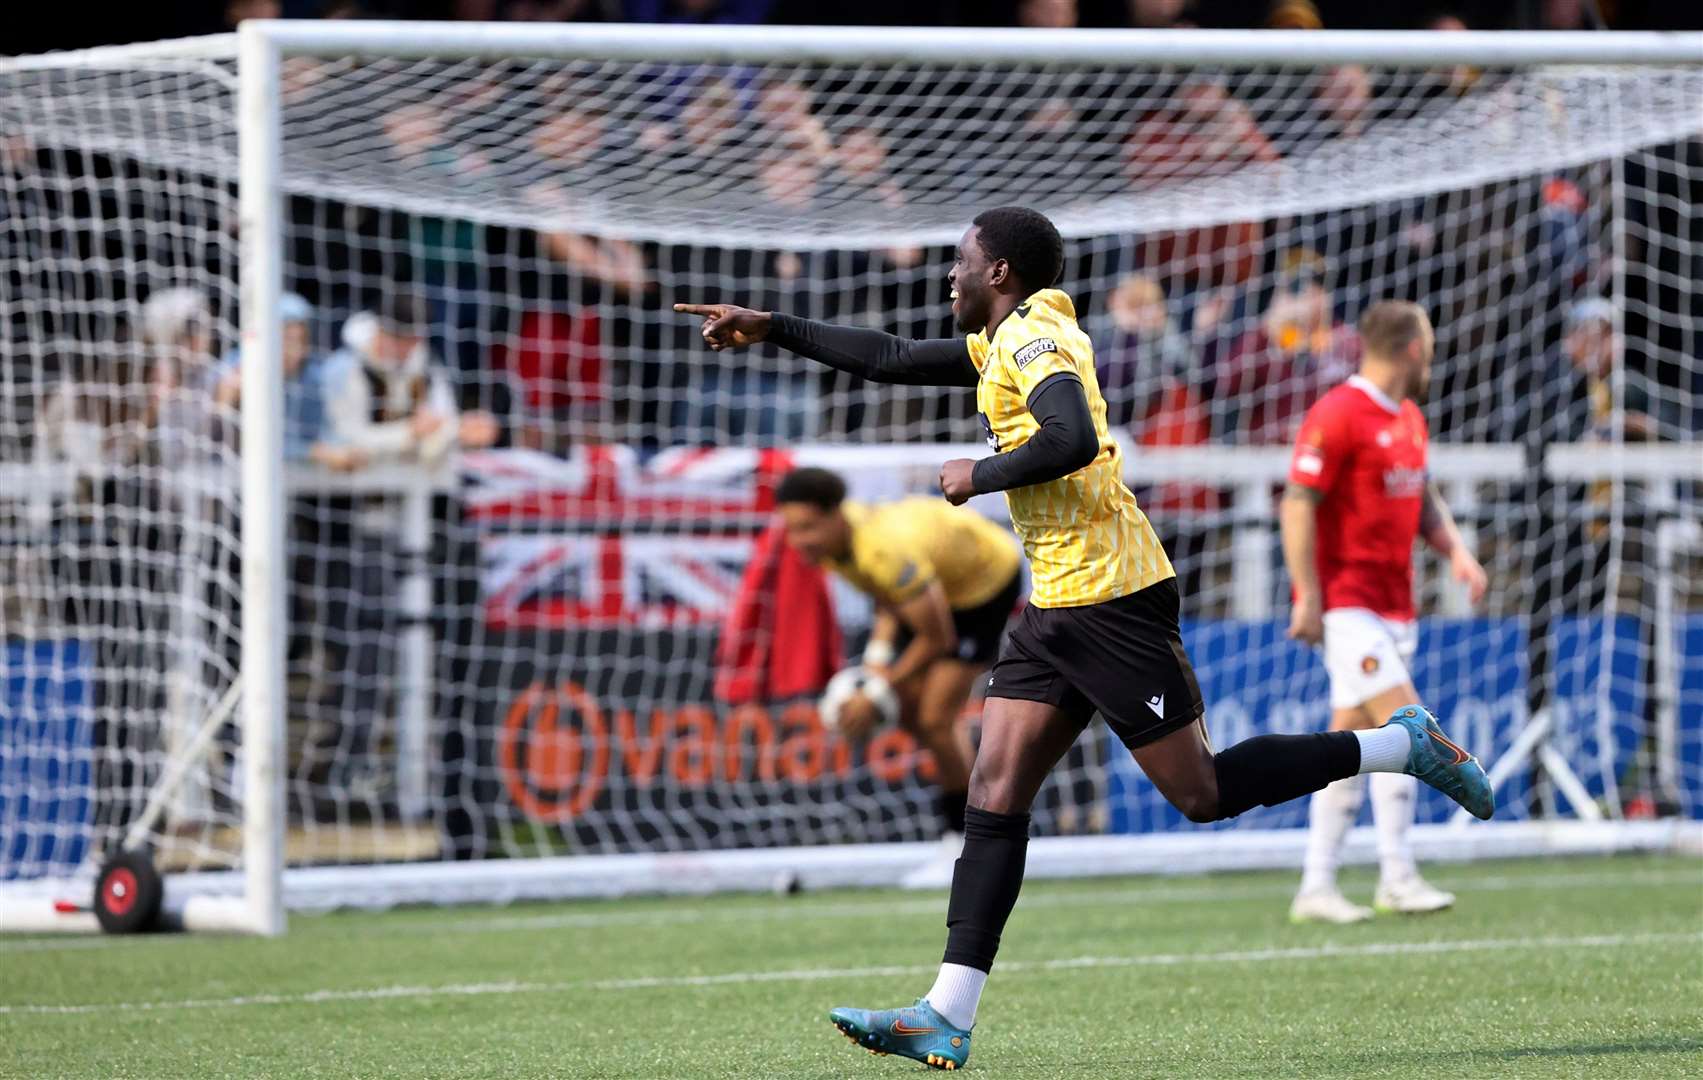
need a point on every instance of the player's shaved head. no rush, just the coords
(1388, 327)
(1026, 240)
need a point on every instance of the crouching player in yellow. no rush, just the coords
(945, 581)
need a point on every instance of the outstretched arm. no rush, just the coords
(870, 354)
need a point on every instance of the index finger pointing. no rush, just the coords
(697, 309)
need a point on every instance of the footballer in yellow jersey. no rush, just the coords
(945, 582)
(1101, 634)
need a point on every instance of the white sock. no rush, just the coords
(1330, 814)
(956, 993)
(1384, 749)
(1392, 817)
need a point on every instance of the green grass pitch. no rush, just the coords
(1557, 968)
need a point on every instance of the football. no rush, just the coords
(855, 680)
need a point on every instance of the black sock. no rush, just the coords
(984, 885)
(951, 805)
(1271, 769)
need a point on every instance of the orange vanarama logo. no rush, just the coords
(1369, 664)
(1461, 756)
(902, 1028)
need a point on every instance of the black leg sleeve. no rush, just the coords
(1271, 769)
(985, 885)
(952, 806)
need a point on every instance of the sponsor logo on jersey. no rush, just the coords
(1385, 439)
(1038, 347)
(1403, 483)
(1369, 665)
(1309, 461)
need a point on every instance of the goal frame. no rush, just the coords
(254, 899)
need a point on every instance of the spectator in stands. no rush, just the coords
(1202, 133)
(310, 531)
(1276, 371)
(711, 120)
(117, 539)
(698, 11)
(861, 154)
(1048, 14)
(1144, 357)
(1157, 14)
(1568, 15)
(1345, 98)
(304, 396)
(387, 401)
(1294, 15)
(1585, 401)
(1452, 81)
(572, 147)
(790, 177)
(788, 108)
(177, 334)
(100, 413)
(1154, 385)
(237, 11)
(557, 10)
(384, 398)
(450, 261)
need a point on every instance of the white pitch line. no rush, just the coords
(1006, 967)
(1191, 894)
(791, 910)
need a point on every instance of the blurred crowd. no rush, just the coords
(187, 17)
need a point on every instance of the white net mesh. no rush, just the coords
(510, 649)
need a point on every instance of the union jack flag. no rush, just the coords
(601, 538)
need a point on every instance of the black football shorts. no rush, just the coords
(1123, 658)
(980, 629)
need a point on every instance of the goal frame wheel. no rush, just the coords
(129, 894)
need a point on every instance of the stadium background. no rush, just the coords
(572, 724)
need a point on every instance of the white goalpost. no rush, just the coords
(368, 519)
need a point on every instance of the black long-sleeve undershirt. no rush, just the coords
(874, 355)
(1065, 442)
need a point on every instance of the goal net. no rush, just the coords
(515, 496)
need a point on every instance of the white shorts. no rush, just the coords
(1366, 654)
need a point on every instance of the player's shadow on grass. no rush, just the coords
(1641, 1046)
(1679, 1045)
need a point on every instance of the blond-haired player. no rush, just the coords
(1357, 499)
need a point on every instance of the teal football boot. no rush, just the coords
(916, 1032)
(1436, 760)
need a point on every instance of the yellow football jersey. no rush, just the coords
(898, 548)
(1087, 540)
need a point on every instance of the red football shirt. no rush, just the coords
(1366, 455)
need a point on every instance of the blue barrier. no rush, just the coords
(46, 758)
(1255, 681)
(1691, 714)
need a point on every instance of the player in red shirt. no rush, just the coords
(1357, 498)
